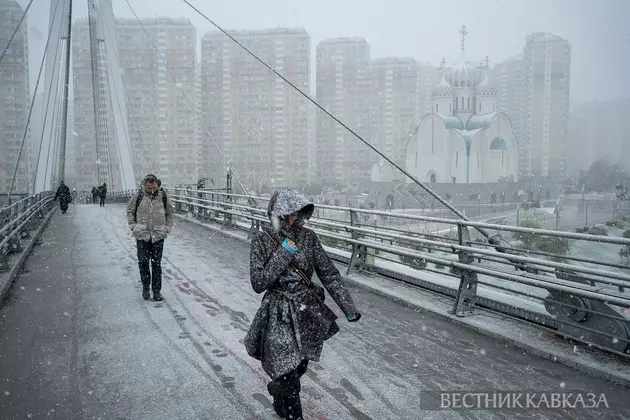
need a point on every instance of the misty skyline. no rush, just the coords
(599, 37)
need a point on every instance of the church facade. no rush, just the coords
(464, 139)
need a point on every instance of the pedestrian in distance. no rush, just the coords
(64, 196)
(94, 195)
(102, 193)
(293, 321)
(150, 218)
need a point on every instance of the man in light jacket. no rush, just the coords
(150, 218)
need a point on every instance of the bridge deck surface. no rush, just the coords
(78, 342)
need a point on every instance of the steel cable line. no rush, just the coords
(53, 125)
(414, 179)
(55, 155)
(41, 140)
(17, 28)
(30, 111)
(188, 101)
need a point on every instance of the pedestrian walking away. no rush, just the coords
(102, 193)
(293, 321)
(64, 196)
(94, 195)
(150, 218)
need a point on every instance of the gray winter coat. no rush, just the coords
(293, 322)
(153, 220)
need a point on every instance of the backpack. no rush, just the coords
(141, 196)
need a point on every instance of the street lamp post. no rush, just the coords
(586, 213)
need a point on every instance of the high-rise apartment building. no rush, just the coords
(343, 89)
(161, 96)
(598, 131)
(428, 76)
(14, 100)
(546, 83)
(392, 100)
(85, 154)
(159, 92)
(508, 79)
(261, 123)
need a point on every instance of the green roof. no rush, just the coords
(480, 121)
(452, 122)
(497, 144)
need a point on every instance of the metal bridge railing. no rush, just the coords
(18, 220)
(567, 283)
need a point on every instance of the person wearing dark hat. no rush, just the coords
(150, 218)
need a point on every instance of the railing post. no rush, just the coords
(467, 291)
(359, 259)
(178, 204)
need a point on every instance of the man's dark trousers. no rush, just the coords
(150, 251)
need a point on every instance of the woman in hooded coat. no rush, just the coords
(293, 321)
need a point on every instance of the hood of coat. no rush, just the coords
(286, 201)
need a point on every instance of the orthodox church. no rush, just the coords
(464, 139)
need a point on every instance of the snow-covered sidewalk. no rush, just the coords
(77, 340)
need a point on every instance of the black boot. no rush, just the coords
(274, 390)
(145, 294)
(290, 387)
(157, 297)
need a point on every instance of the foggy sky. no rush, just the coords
(425, 30)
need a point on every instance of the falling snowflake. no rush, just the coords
(38, 289)
(7, 393)
(302, 307)
(615, 340)
(575, 349)
(482, 352)
(562, 385)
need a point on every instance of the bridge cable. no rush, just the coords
(17, 28)
(189, 103)
(314, 102)
(55, 116)
(54, 133)
(41, 140)
(54, 174)
(30, 112)
(51, 143)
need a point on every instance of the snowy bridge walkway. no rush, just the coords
(78, 342)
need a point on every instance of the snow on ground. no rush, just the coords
(78, 339)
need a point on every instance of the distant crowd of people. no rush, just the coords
(65, 197)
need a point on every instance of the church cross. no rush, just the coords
(463, 32)
(442, 64)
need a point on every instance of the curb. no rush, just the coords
(440, 305)
(4, 288)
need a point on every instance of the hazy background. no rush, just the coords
(425, 30)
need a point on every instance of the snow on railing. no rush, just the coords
(524, 272)
(18, 220)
